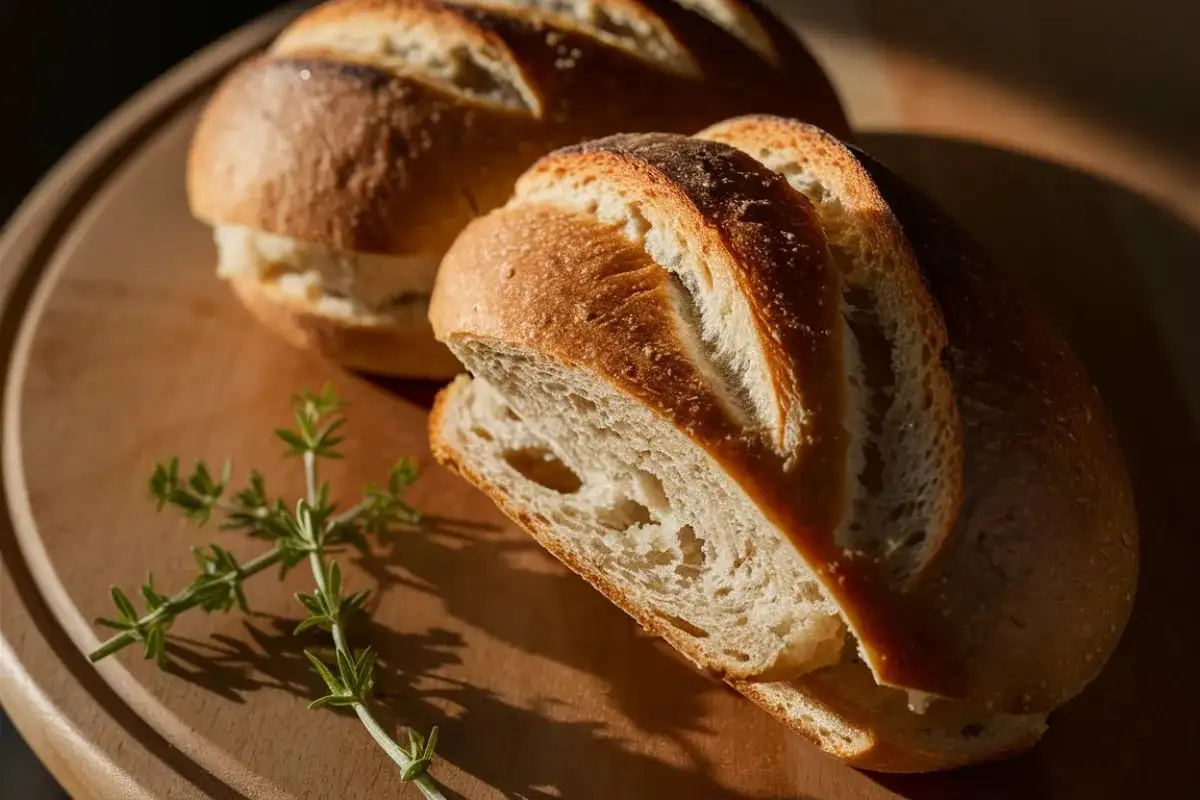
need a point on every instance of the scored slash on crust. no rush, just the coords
(382, 127)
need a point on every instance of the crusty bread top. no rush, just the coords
(903, 416)
(385, 125)
(513, 277)
(1041, 569)
(1029, 592)
(1037, 576)
(749, 257)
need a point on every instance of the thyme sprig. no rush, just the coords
(312, 532)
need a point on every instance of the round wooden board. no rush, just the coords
(120, 348)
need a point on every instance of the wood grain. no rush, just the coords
(120, 348)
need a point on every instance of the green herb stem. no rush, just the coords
(310, 476)
(188, 598)
(316, 561)
(311, 533)
(396, 752)
(349, 515)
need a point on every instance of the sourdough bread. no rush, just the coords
(774, 405)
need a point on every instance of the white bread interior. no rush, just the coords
(625, 320)
(365, 288)
(626, 495)
(673, 543)
(902, 418)
(903, 486)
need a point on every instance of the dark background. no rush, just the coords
(63, 67)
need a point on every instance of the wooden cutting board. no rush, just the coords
(120, 347)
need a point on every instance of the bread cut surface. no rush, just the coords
(769, 401)
(751, 308)
(641, 552)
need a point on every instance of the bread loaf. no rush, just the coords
(339, 166)
(772, 404)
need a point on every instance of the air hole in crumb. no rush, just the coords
(738, 655)
(683, 625)
(659, 558)
(810, 592)
(544, 468)
(652, 488)
(581, 404)
(871, 476)
(807, 719)
(625, 514)
(482, 433)
(722, 592)
(510, 414)
(972, 731)
(693, 554)
(783, 627)
(875, 354)
(914, 539)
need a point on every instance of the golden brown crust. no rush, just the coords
(880, 744)
(750, 223)
(534, 277)
(325, 148)
(1034, 585)
(402, 346)
(579, 292)
(363, 152)
(1041, 569)
(883, 241)
(341, 155)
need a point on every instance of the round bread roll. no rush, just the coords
(772, 404)
(337, 168)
